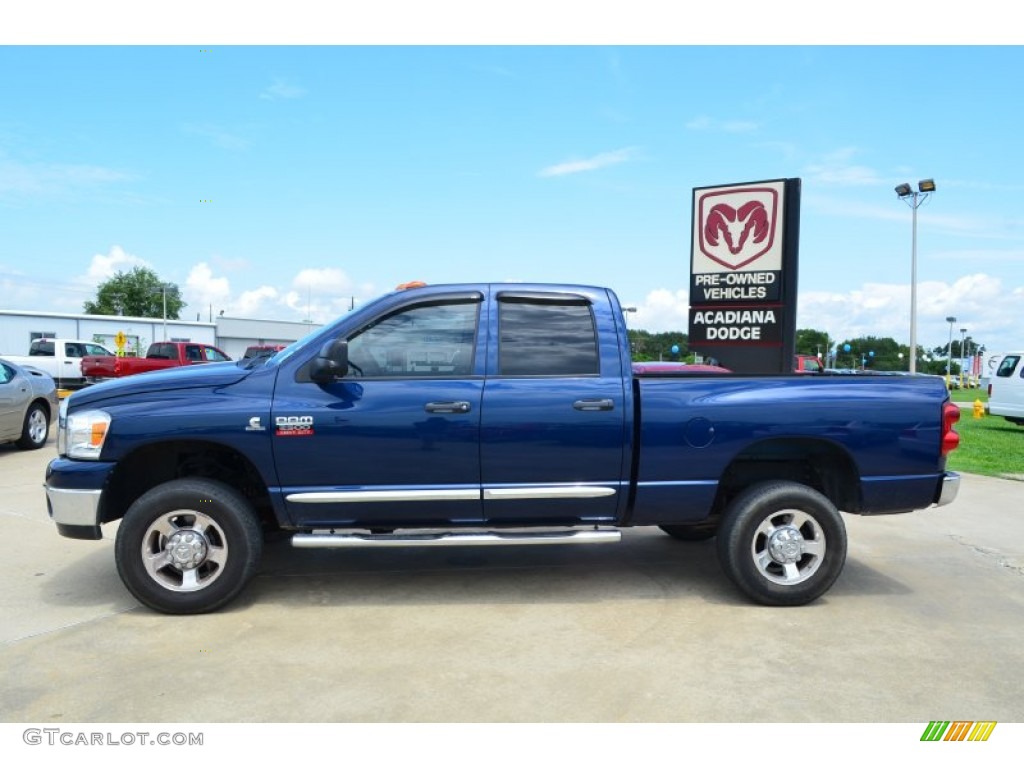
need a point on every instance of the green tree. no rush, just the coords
(646, 346)
(874, 354)
(811, 342)
(138, 293)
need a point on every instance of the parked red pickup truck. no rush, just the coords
(162, 354)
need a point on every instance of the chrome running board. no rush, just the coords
(457, 538)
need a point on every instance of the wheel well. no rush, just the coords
(153, 465)
(820, 464)
(46, 407)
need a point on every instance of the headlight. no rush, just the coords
(81, 435)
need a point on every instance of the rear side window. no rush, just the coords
(163, 352)
(1006, 367)
(547, 338)
(41, 349)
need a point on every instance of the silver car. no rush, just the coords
(28, 402)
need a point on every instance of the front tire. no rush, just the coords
(35, 429)
(188, 546)
(782, 543)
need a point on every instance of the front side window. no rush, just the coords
(214, 356)
(424, 340)
(547, 338)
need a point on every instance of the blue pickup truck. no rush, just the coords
(492, 414)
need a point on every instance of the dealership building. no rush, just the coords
(230, 334)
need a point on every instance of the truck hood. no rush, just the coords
(190, 377)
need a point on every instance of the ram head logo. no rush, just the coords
(734, 236)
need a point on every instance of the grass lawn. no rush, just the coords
(969, 395)
(988, 446)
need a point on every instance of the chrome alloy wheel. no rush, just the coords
(788, 547)
(184, 550)
(38, 426)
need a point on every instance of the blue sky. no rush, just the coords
(286, 181)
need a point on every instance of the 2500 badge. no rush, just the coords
(293, 426)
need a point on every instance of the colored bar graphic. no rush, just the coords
(958, 730)
(982, 731)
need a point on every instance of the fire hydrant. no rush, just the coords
(979, 409)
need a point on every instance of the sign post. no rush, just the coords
(743, 274)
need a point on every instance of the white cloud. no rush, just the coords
(219, 136)
(105, 266)
(321, 295)
(981, 303)
(18, 180)
(253, 303)
(282, 89)
(203, 289)
(661, 310)
(329, 279)
(838, 168)
(594, 163)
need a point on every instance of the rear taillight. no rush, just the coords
(950, 439)
(990, 389)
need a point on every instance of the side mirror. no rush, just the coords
(331, 363)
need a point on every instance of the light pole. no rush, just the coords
(963, 355)
(914, 199)
(949, 349)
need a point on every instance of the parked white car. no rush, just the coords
(28, 403)
(61, 358)
(1006, 388)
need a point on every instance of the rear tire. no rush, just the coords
(188, 546)
(782, 543)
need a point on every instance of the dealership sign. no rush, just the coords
(743, 274)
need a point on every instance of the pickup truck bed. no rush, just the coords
(161, 355)
(488, 414)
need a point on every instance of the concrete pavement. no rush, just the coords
(925, 623)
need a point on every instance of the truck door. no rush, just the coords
(396, 441)
(554, 413)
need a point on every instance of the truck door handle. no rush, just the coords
(448, 406)
(598, 404)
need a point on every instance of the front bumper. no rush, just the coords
(948, 489)
(74, 491)
(76, 512)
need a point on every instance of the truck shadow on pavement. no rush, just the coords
(644, 566)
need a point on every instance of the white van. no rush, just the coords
(1006, 388)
